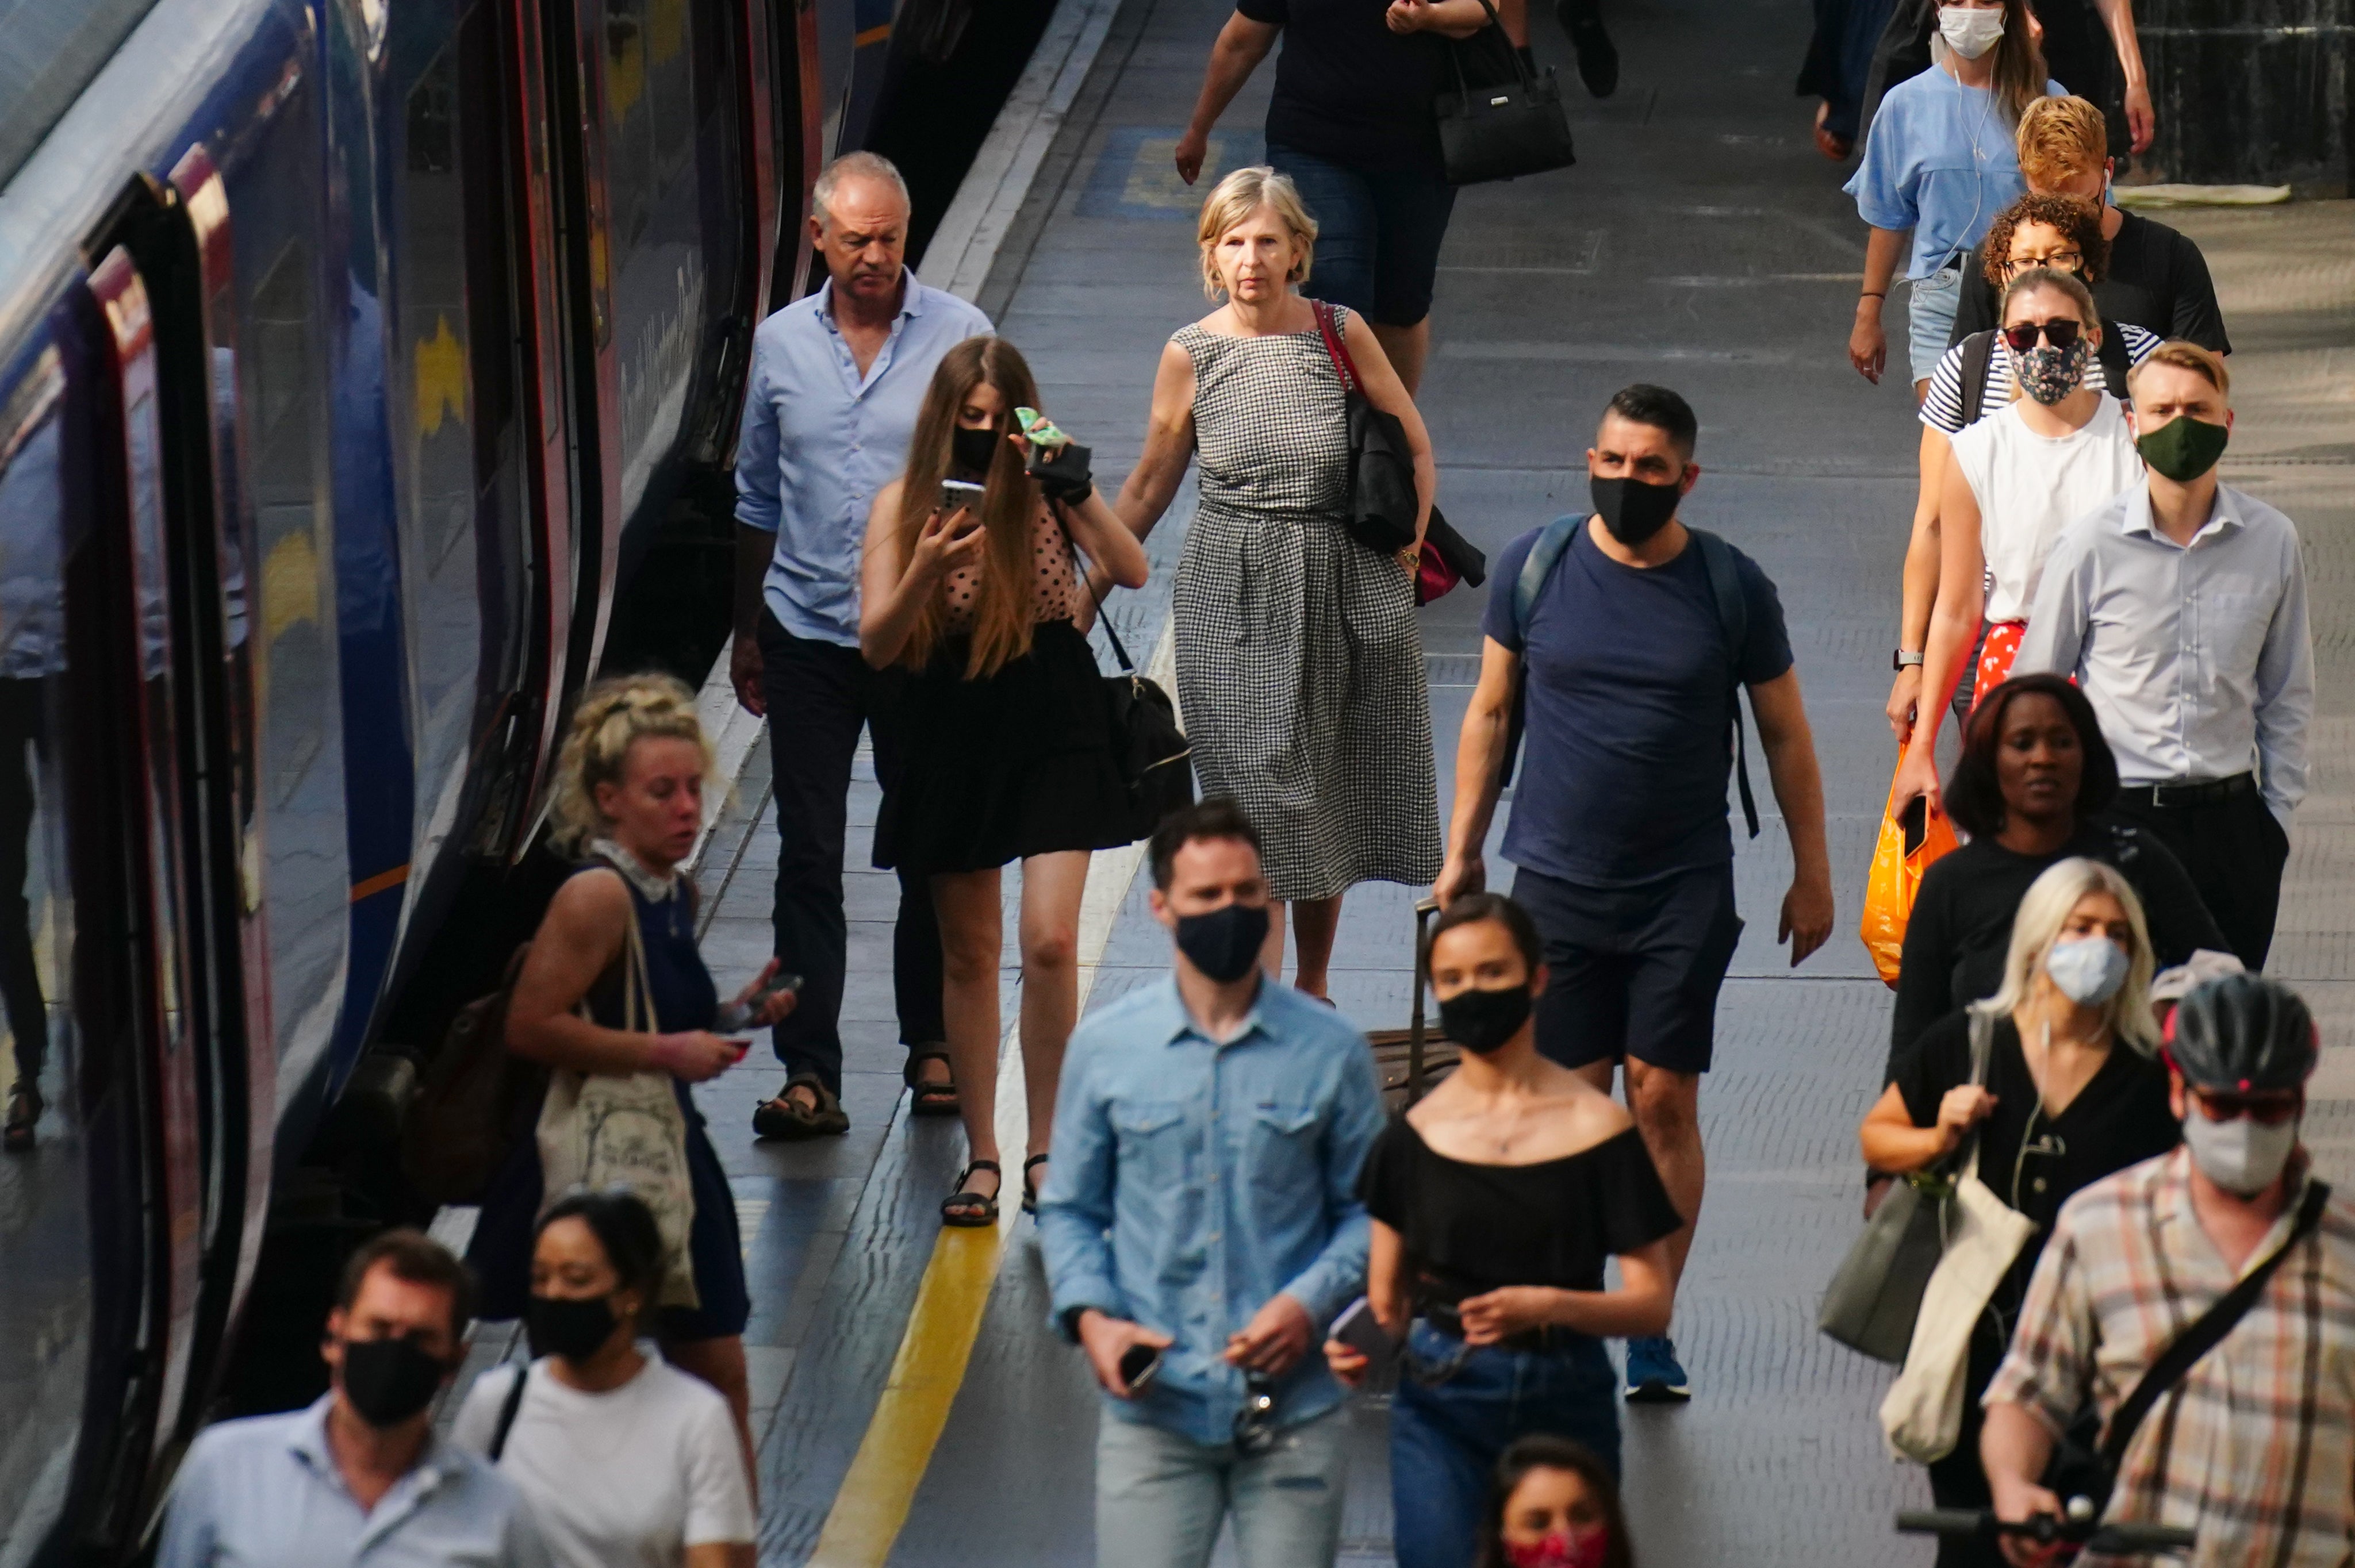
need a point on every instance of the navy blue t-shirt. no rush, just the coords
(1624, 757)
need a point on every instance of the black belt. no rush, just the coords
(2200, 792)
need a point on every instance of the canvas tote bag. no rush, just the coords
(604, 1130)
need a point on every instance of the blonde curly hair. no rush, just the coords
(609, 718)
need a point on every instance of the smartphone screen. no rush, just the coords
(1138, 1364)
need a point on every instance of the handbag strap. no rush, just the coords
(1456, 56)
(1086, 581)
(1336, 350)
(507, 1408)
(2205, 1334)
(1982, 1027)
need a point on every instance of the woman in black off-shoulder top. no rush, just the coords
(1496, 1202)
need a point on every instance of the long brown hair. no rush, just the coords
(2019, 76)
(1003, 612)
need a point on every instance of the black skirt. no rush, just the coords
(1016, 764)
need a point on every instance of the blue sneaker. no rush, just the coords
(1653, 1375)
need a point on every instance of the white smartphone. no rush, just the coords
(962, 492)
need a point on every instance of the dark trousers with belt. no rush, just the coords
(2232, 845)
(819, 697)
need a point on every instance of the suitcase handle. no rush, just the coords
(1423, 910)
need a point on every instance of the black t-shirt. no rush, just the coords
(2033, 1160)
(2158, 280)
(1470, 1228)
(1960, 930)
(1349, 90)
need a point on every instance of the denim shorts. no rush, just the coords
(1930, 317)
(1377, 234)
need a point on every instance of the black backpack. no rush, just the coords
(1979, 353)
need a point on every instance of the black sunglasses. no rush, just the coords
(2061, 334)
(1254, 1424)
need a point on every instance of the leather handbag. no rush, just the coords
(1448, 558)
(1874, 1299)
(1504, 129)
(463, 1121)
(1155, 759)
(1380, 510)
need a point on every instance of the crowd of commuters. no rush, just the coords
(2123, 639)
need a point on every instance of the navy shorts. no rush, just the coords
(1633, 971)
(1377, 234)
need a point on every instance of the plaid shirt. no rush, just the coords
(2256, 1447)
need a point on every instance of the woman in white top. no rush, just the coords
(2015, 479)
(626, 1461)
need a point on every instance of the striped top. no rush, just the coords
(1942, 405)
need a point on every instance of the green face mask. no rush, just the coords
(2184, 448)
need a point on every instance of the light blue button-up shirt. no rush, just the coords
(819, 439)
(265, 1492)
(2197, 657)
(1941, 160)
(1195, 1180)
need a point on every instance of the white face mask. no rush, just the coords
(2243, 1155)
(2088, 970)
(1969, 31)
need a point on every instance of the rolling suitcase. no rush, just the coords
(1410, 1061)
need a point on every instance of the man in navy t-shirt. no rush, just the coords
(1619, 827)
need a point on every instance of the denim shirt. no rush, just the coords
(1193, 1181)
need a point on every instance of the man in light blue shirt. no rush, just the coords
(1203, 1206)
(2180, 607)
(359, 1477)
(837, 379)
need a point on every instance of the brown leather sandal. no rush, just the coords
(788, 1119)
(969, 1210)
(925, 1098)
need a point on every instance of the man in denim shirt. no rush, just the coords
(1203, 1202)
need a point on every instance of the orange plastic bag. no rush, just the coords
(1910, 841)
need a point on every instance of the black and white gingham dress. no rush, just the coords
(1299, 662)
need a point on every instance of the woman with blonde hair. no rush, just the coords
(629, 802)
(2073, 1091)
(1008, 738)
(1299, 663)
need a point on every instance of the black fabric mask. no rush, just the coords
(1632, 509)
(975, 451)
(1482, 1021)
(1225, 943)
(389, 1381)
(574, 1329)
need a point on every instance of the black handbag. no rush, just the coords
(1382, 503)
(1155, 759)
(1503, 131)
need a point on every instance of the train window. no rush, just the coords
(47, 55)
(46, 1265)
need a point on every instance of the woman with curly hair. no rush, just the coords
(629, 802)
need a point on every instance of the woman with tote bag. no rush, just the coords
(2072, 1092)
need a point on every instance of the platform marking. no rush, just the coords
(879, 1488)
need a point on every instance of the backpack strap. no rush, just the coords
(1733, 619)
(2208, 1330)
(1979, 353)
(2113, 358)
(1545, 554)
(507, 1408)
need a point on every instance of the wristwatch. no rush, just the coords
(1903, 657)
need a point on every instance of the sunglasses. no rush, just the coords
(1254, 1424)
(2063, 260)
(2061, 334)
(2270, 1110)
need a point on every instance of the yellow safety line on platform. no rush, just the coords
(872, 1507)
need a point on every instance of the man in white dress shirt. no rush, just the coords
(2180, 609)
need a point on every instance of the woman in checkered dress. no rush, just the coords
(1299, 663)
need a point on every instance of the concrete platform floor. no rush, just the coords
(1700, 242)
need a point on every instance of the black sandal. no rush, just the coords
(1030, 1193)
(25, 1108)
(967, 1209)
(925, 1098)
(787, 1119)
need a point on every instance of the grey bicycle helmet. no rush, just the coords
(2241, 1033)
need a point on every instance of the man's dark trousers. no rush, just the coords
(819, 694)
(2235, 849)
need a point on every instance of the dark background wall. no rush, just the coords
(2250, 91)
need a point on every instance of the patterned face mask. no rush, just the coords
(2049, 373)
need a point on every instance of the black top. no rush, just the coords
(1471, 1228)
(2158, 280)
(2119, 1118)
(1349, 90)
(1960, 930)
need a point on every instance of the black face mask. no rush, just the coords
(389, 1381)
(1482, 1021)
(1632, 509)
(1225, 943)
(574, 1329)
(975, 451)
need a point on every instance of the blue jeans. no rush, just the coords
(1377, 234)
(1161, 1497)
(1445, 1436)
(1930, 305)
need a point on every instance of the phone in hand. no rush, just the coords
(1359, 1328)
(735, 1015)
(962, 492)
(1139, 1364)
